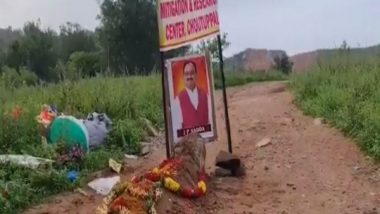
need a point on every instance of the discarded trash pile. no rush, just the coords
(184, 175)
(88, 133)
(77, 136)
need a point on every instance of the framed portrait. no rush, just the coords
(190, 97)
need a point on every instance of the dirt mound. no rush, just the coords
(183, 174)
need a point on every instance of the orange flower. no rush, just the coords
(16, 112)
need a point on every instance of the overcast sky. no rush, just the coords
(292, 25)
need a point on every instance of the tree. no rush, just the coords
(283, 64)
(16, 55)
(82, 64)
(212, 46)
(129, 35)
(41, 55)
(74, 38)
(2, 59)
(7, 36)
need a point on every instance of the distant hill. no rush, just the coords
(253, 60)
(7, 36)
(304, 61)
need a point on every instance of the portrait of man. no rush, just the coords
(191, 97)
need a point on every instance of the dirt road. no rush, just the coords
(307, 168)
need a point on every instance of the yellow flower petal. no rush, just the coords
(202, 186)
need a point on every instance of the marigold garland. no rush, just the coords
(128, 196)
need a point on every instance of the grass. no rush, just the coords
(345, 90)
(126, 100)
(239, 78)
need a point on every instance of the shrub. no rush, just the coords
(344, 89)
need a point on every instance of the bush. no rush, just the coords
(345, 91)
(10, 78)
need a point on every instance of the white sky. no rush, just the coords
(291, 25)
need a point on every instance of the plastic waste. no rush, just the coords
(98, 126)
(69, 130)
(115, 166)
(104, 186)
(26, 161)
(133, 157)
(72, 176)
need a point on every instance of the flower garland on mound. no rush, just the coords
(132, 198)
(166, 173)
(141, 193)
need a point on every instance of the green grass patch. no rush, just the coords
(234, 78)
(344, 90)
(125, 100)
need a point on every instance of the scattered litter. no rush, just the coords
(264, 142)
(81, 191)
(98, 126)
(133, 157)
(25, 160)
(72, 176)
(152, 131)
(104, 186)
(47, 115)
(115, 166)
(145, 148)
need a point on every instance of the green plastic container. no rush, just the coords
(70, 130)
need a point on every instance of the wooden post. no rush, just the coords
(162, 56)
(227, 118)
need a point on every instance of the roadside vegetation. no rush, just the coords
(344, 89)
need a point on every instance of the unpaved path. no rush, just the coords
(307, 168)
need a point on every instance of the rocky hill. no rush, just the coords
(253, 60)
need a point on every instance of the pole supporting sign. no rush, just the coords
(187, 82)
(181, 22)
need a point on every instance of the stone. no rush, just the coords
(240, 172)
(318, 121)
(145, 149)
(220, 172)
(227, 161)
(286, 121)
(264, 142)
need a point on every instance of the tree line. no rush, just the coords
(125, 43)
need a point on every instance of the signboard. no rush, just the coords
(191, 97)
(181, 22)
